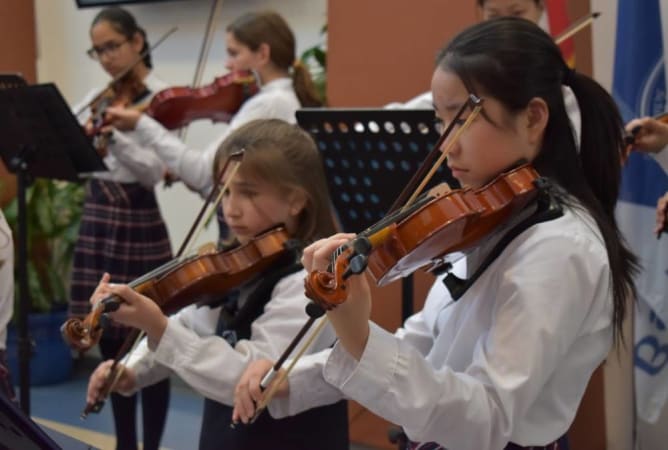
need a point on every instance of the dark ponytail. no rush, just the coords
(513, 60)
(124, 23)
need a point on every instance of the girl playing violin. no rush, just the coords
(506, 365)
(122, 231)
(259, 41)
(280, 182)
(650, 135)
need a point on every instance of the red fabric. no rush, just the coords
(557, 16)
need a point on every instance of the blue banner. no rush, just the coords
(639, 87)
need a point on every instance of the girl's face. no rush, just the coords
(252, 205)
(485, 149)
(114, 51)
(241, 57)
(526, 9)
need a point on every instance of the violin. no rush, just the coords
(178, 106)
(427, 235)
(127, 91)
(198, 279)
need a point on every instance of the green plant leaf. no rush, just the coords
(53, 214)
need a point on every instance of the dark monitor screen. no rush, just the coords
(94, 3)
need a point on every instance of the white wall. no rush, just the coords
(62, 39)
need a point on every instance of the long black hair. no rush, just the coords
(124, 23)
(513, 61)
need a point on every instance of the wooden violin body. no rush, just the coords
(451, 223)
(199, 279)
(431, 235)
(178, 106)
(122, 93)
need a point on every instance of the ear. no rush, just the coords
(537, 116)
(297, 202)
(137, 42)
(263, 53)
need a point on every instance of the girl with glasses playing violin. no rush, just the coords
(122, 231)
(280, 182)
(504, 366)
(261, 42)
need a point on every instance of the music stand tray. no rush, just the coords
(36, 120)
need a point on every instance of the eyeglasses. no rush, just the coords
(110, 48)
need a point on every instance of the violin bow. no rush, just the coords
(275, 377)
(204, 52)
(576, 27)
(135, 335)
(434, 159)
(127, 70)
(476, 104)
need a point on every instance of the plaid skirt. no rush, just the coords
(122, 232)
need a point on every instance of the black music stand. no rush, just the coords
(40, 137)
(369, 156)
(18, 431)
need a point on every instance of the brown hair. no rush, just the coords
(267, 27)
(285, 156)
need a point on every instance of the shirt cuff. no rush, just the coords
(371, 376)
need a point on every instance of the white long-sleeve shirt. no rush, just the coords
(127, 160)
(6, 279)
(207, 362)
(508, 362)
(275, 100)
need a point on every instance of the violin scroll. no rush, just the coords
(82, 334)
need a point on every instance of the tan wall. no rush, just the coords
(381, 51)
(19, 54)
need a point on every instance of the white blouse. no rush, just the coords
(6, 278)
(207, 362)
(127, 161)
(508, 362)
(275, 100)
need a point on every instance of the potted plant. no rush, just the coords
(315, 58)
(53, 215)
